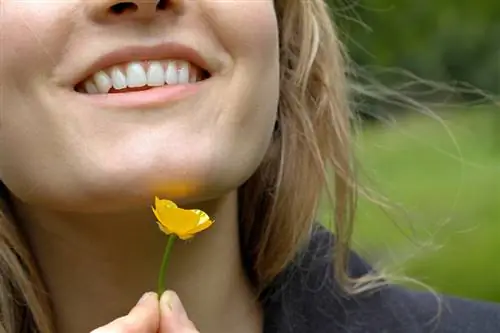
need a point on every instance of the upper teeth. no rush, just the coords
(141, 74)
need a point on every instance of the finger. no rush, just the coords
(143, 318)
(173, 317)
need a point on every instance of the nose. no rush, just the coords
(103, 10)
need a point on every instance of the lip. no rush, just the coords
(157, 97)
(173, 51)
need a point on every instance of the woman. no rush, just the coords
(233, 107)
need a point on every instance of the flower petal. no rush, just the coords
(163, 209)
(185, 236)
(203, 217)
(162, 204)
(164, 229)
(202, 227)
(204, 221)
(180, 221)
(158, 217)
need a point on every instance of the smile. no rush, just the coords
(142, 75)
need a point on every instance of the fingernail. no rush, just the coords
(166, 301)
(171, 302)
(145, 297)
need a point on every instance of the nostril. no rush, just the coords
(123, 7)
(163, 4)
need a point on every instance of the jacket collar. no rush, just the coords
(305, 298)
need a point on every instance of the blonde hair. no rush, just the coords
(310, 155)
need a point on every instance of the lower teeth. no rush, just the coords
(117, 91)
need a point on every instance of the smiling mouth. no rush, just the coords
(139, 76)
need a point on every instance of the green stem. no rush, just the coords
(164, 264)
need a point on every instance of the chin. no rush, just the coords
(131, 190)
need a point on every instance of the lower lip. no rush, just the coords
(154, 97)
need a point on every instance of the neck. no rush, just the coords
(97, 266)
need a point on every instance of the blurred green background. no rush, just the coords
(437, 162)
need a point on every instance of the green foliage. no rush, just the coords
(443, 221)
(443, 40)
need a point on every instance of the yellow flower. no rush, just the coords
(181, 222)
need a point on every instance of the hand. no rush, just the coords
(174, 318)
(148, 316)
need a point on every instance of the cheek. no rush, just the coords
(33, 33)
(247, 29)
(31, 39)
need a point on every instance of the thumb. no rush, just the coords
(174, 318)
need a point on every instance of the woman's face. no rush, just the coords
(97, 114)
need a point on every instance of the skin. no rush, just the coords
(84, 177)
(148, 315)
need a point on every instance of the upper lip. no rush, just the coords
(173, 51)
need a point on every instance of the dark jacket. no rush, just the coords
(305, 299)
